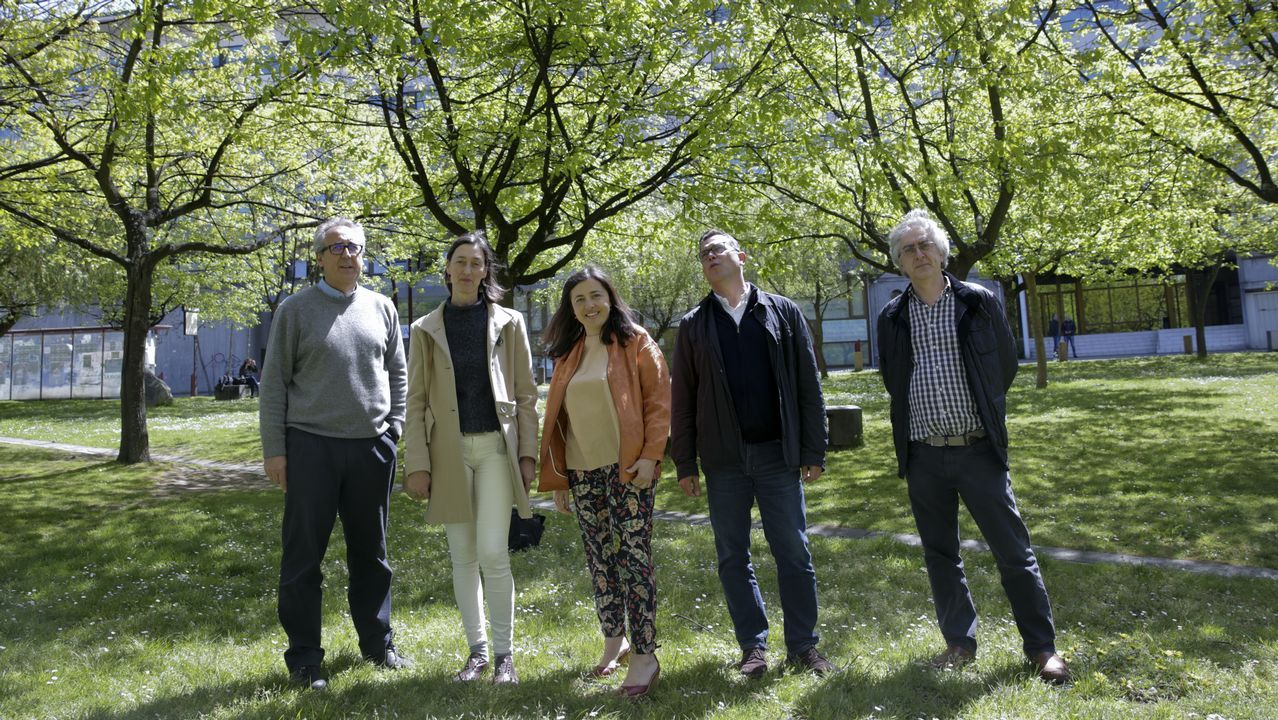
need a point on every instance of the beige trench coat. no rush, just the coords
(432, 430)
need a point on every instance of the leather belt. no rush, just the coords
(954, 440)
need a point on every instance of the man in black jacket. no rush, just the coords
(947, 360)
(747, 400)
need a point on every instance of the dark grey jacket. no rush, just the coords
(703, 418)
(989, 362)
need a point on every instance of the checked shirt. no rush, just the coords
(940, 401)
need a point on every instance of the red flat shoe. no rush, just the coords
(638, 691)
(603, 671)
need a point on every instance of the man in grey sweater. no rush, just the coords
(332, 408)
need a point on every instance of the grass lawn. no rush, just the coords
(1163, 456)
(124, 596)
(120, 598)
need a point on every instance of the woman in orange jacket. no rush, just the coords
(607, 420)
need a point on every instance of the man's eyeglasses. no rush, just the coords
(340, 248)
(715, 250)
(924, 246)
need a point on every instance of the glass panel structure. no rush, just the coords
(56, 369)
(112, 364)
(26, 367)
(87, 365)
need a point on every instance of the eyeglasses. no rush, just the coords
(340, 248)
(715, 250)
(923, 246)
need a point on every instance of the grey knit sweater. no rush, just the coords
(334, 367)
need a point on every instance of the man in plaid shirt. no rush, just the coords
(947, 360)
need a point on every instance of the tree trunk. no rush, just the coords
(1203, 280)
(814, 328)
(1036, 329)
(135, 444)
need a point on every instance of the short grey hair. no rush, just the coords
(716, 232)
(918, 219)
(321, 232)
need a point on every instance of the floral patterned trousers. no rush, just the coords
(616, 528)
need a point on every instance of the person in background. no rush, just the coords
(331, 412)
(248, 376)
(1068, 330)
(607, 422)
(948, 360)
(470, 442)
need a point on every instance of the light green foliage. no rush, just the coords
(1199, 78)
(949, 107)
(155, 135)
(538, 122)
(33, 275)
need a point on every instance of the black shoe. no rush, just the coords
(390, 659)
(812, 661)
(754, 663)
(308, 676)
(504, 674)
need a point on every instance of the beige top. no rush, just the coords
(594, 440)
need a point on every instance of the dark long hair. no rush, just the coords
(563, 331)
(489, 288)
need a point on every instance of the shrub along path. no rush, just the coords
(250, 476)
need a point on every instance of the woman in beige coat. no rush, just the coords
(470, 439)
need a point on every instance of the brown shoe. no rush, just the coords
(474, 668)
(505, 672)
(954, 657)
(1051, 668)
(812, 661)
(754, 663)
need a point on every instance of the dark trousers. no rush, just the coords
(328, 478)
(938, 478)
(778, 489)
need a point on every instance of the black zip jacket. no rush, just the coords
(989, 362)
(703, 417)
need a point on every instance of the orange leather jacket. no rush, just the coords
(640, 384)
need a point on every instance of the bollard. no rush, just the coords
(1189, 344)
(1062, 352)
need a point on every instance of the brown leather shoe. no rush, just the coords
(813, 661)
(754, 663)
(1051, 668)
(474, 668)
(954, 657)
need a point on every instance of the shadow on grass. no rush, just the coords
(911, 691)
(90, 540)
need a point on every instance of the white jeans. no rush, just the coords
(481, 544)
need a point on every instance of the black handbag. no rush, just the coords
(525, 534)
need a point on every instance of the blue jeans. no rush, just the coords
(778, 489)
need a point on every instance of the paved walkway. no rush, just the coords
(1065, 554)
